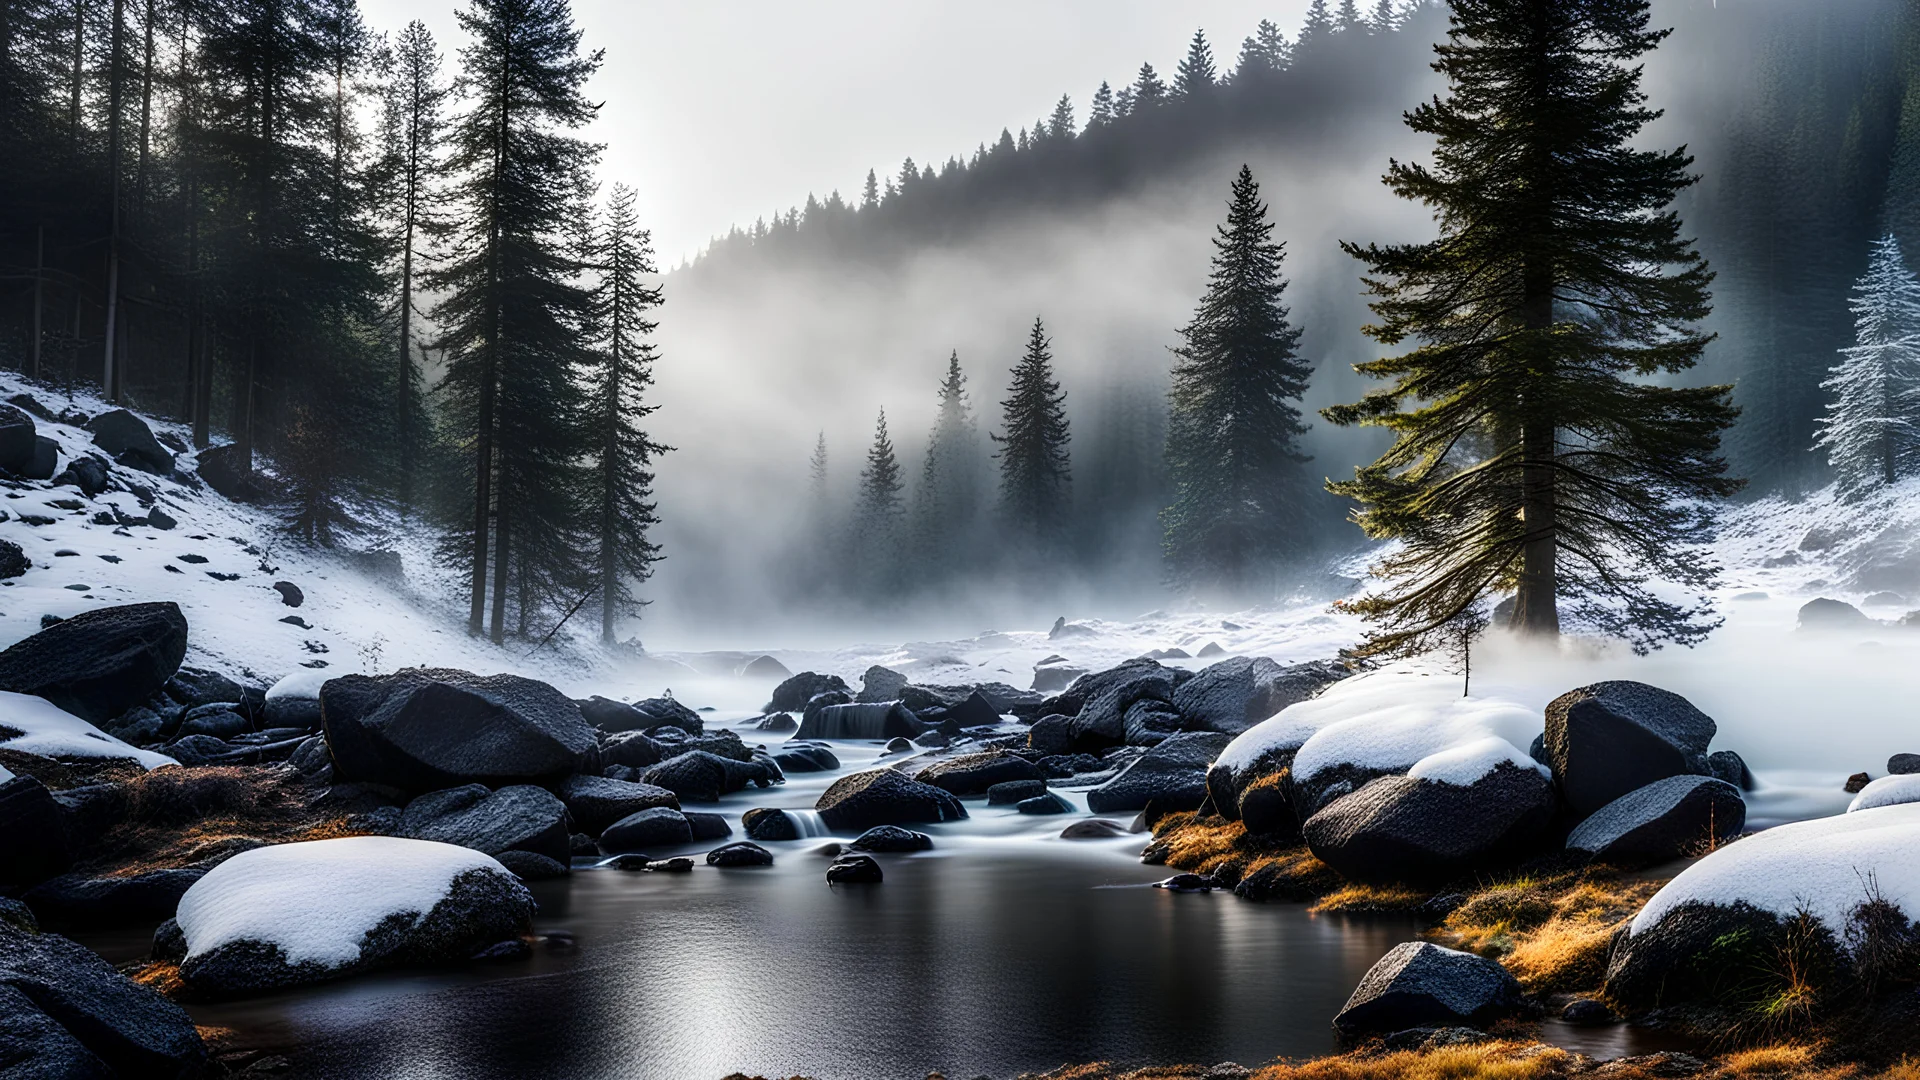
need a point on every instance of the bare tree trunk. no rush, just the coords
(489, 376)
(146, 121)
(79, 61)
(116, 78)
(500, 529)
(1536, 610)
(39, 296)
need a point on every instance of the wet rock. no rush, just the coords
(1049, 803)
(678, 865)
(765, 667)
(532, 866)
(66, 1013)
(520, 817)
(854, 870)
(881, 684)
(1173, 773)
(740, 853)
(101, 662)
(972, 774)
(891, 838)
(78, 899)
(596, 802)
(425, 729)
(803, 758)
(876, 720)
(1823, 614)
(1586, 1012)
(708, 826)
(1094, 829)
(1233, 695)
(1661, 822)
(779, 723)
(898, 746)
(1418, 984)
(1605, 740)
(1051, 735)
(884, 797)
(1402, 828)
(703, 776)
(1013, 791)
(766, 823)
(33, 833)
(1187, 883)
(793, 694)
(652, 828)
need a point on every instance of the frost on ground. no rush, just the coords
(50, 731)
(318, 899)
(1827, 867)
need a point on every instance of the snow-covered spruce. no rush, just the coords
(298, 913)
(1869, 430)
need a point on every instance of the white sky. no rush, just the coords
(720, 111)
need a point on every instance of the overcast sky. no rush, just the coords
(719, 111)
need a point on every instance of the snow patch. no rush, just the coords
(1826, 867)
(50, 731)
(1464, 764)
(318, 898)
(1887, 791)
(302, 685)
(1393, 718)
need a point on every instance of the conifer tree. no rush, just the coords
(1196, 76)
(1060, 125)
(870, 192)
(877, 516)
(621, 482)
(1233, 438)
(817, 470)
(1349, 16)
(1531, 451)
(1148, 90)
(1035, 477)
(1318, 26)
(1262, 54)
(1100, 112)
(1869, 432)
(947, 501)
(1385, 18)
(511, 309)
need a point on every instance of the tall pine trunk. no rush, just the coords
(1536, 609)
(489, 379)
(609, 509)
(146, 122)
(116, 80)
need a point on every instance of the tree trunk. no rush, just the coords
(609, 533)
(1536, 610)
(39, 296)
(489, 374)
(116, 78)
(79, 61)
(146, 122)
(406, 359)
(501, 519)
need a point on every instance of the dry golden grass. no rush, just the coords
(1211, 845)
(1370, 899)
(159, 976)
(1904, 1069)
(185, 817)
(1552, 933)
(1789, 1058)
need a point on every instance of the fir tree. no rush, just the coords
(1318, 26)
(1060, 125)
(1261, 54)
(511, 310)
(870, 192)
(1100, 113)
(1349, 16)
(622, 479)
(1148, 90)
(1868, 431)
(817, 471)
(1385, 18)
(1196, 77)
(1034, 471)
(1531, 452)
(877, 516)
(1233, 440)
(947, 502)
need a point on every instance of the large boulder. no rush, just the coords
(1420, 984)
(289, 914)
(101, 662)
(767, 823)
(127, 438)
(596, 802)
(703, 776)
(1410, 828)
(973, 774)
(881, 684)
(46, 462)
(65, 1012)
(1824, 614)
(1233, 695)
(1110, 717)
(1605, 740)
(17, 437)
(799, 757)
(80, 899)
(860, 720)
(33, 832)
(516, 818)
(793, 694)
(859, 801)
(645, 830)
(1172, 775)
(1663, 821)
(425, 729)
(225, 472)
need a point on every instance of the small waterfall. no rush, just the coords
(807, 823)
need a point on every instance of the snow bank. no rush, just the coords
(1824, 866)
(1887, 791)
(4, 774)
(50, 731)
(318, 898)
(302, 685)
(1468, 762)
(1394, 718)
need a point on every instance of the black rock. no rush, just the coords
(597, 802)
(793, 694)
(972, 774)
(802, 757)
(13, 560)
(1824, 614)
(779, 723)
(127, 438)
(1731, 767)
(1661, 822)
(1051, 678)
(974, 710)
(1013, 791)
(740, 853)
(516, 818)
(854, 870)
(652, 828)
(73, 899)
(66, 1013)
(218, 720)
(707, 826)
(766, 823)
(17, 436)
(1695, 951)
(221, 467)
(1173, 773)
(880, 684)
(1187, 883)
(1420, 984)
(667, 711)
(1104, 720)
(884, 797)
(1605, 740)
(1049, 803)
(1094, 829)
(898, 746)
(532, 866)
(33, 833)
(891, 838)
(1857, 783)
(290, 593)
(1233, 695)
(424, 729)
(876, 720)
(1401, 828)
(1903, 764)
(197, 750)
(1586, 1012)
(101, 662)
(703, 776)
(679, 865)
(194, 687)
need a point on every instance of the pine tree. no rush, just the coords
(1349, 16)
(1385, 18)
(510, 309)
(1318, 26)
(1531, 452)
(1196, 77)
(817, 471)
(1261, 54)
(1035, 477)
(1148, 90)
(870, 192)
(1060, 125)
(1101, 113)
(1233, 440)
(622, 479)
(947, 502)
(1868, 431)
(877, 517)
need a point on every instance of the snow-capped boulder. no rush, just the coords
(644, 830)
(1233, 695)
(972, 774)
(1887, 791)
(1420, 984)
(65, 1012)
(704, 776)
(294, 701)
(297, 913)
(33, 725)
(1662, 821)
(101, 662)
(33, 833)
(425, 729)
(1611, 738)
(1411, 828)
(127, 439)
(1172, 776)
(519, 817)
(793, 694)
(859, 801)
(596, 802)
(860, 720)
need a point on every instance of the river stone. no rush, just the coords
(799, 757)
(79, 899)
(1094, 829)
(1013, 791)
(793, 694)
(854, 870)
(1610, 738)
(516, 818)
(597, 801)
(425, 729)
(766, 823)
(1402, 828)
(101, 662)
(873, 720)
(740, 853)
(33, 833)
(1420, 984)
(655, 827)
(1049, 803)
(703, 776)
(613, 716)
(1903, 764)
(880, 684)
(707, 825)
(1233, 695)
(891, 838)
(1103, 721)
(862, 800)
(66, 1013)
(972, 774)
(1661, 822)
(1172, 774)
(530, 866)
